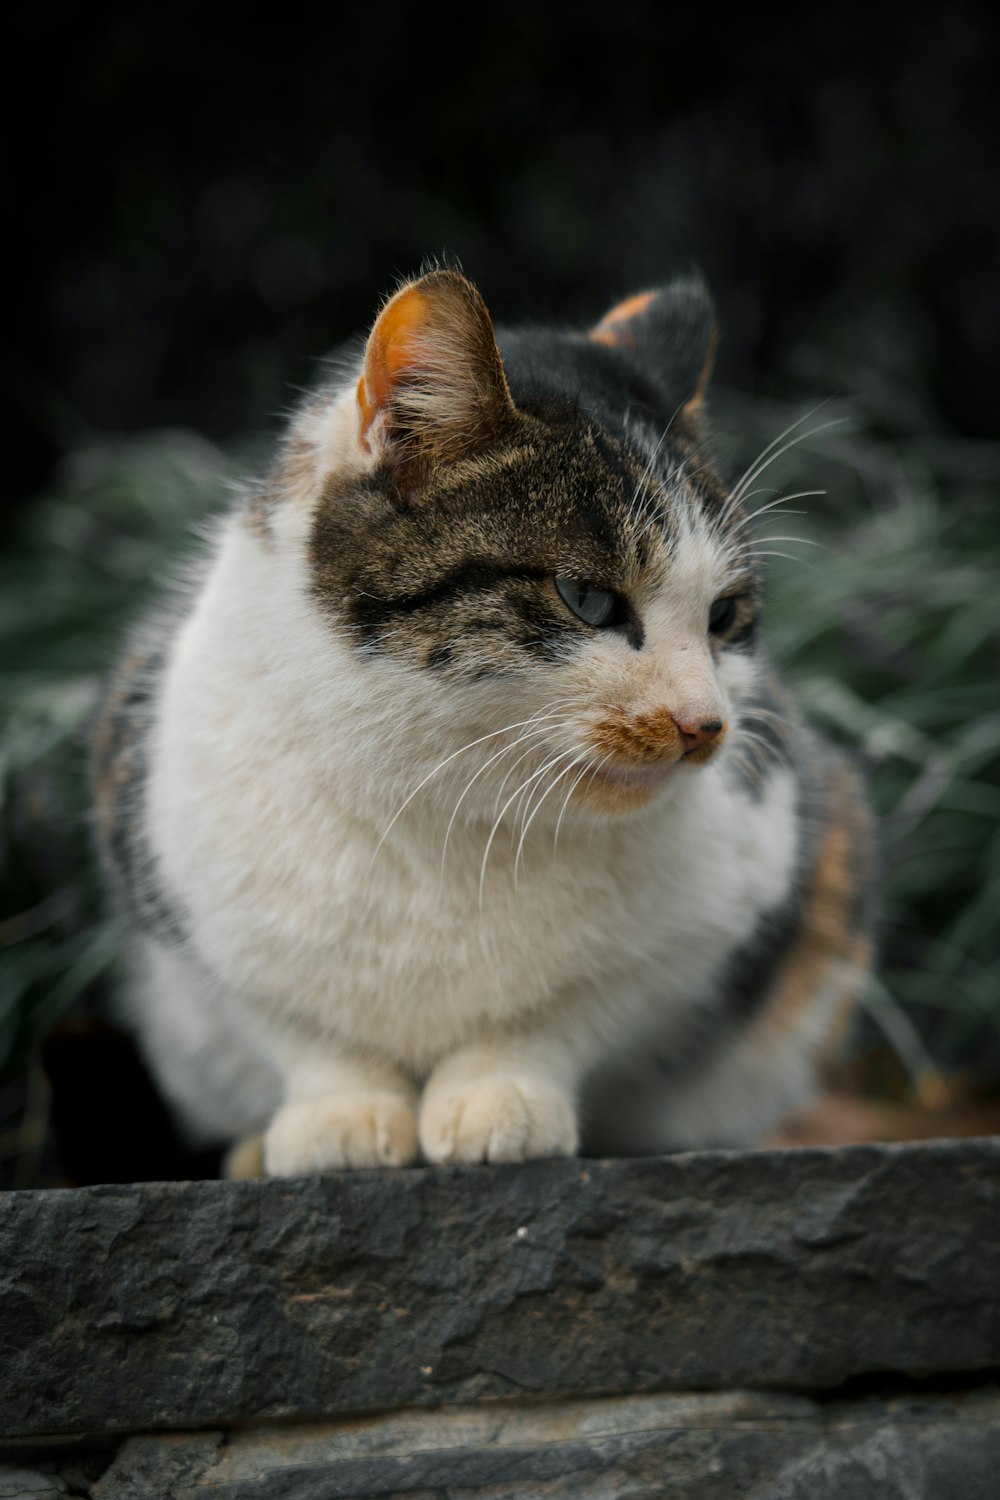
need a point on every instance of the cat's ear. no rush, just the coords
(433, 387)
(673, 330)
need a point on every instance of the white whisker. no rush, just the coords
(750, 714)
(500, 816)
(440, 767)
(551, 787)
(512, 769)
(781, 500)
(803, 437)
(523, 806)
(532, 734)
(562, 810)
(751, 471)
(804, 540)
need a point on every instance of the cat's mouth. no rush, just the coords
(618, 788)
(645, 777)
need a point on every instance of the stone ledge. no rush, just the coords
(206, 1304)
(688, 1447)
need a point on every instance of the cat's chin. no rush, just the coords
(615, 789)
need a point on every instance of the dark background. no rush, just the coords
(206, 203)
(201, 205)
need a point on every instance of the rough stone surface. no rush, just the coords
(155, 1464)
(205, 1304)
(691, 1447)
(18, 1483)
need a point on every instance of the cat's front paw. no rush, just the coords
(496, 1119)
(346, 1130)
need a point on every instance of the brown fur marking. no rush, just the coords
(830, 930)
(653, 736)
(638, 737)
(256, 518)
(832, 1050)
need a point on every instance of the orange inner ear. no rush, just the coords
(693, 402)
(391, 353)
(613, 328)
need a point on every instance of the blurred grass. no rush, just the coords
(85, 561)
(892, 634)
(890, 631)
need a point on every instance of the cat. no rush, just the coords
(454, 811)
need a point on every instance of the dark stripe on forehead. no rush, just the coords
(521, 635)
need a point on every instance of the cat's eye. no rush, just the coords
(721, 616)
(590, 604)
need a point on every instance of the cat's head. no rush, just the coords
(529, 525)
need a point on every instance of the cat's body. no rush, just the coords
(407, 836)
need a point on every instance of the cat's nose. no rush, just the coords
(694, 735)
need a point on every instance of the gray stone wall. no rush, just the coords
(814, 1323)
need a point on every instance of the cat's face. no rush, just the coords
(541, 538)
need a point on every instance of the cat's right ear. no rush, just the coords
(433, 387)
(673, 330)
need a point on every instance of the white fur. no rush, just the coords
(351, 981)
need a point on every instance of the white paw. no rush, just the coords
(346, 1130)
(496, 1119)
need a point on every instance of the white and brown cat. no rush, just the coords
(453, 811)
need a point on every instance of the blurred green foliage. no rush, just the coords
(84, 563)
(890, 629)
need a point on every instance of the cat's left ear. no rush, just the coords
(433, 387)
(673, 330)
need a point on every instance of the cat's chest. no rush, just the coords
(402, 953)
(476, 938)
(394, 946)
(423, 963)
(421, 955)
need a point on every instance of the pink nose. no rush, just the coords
(696, 735)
